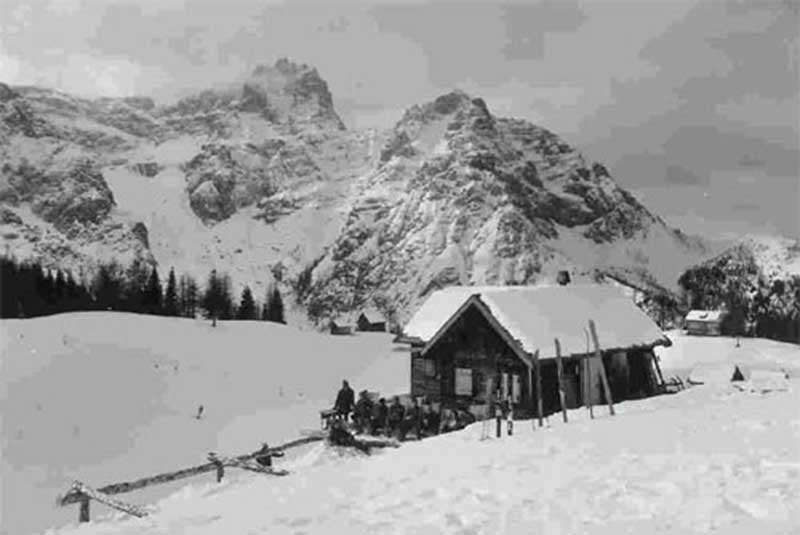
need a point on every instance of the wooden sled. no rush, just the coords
(378, 442)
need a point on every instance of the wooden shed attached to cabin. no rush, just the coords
(704, 322)
(370, 320)
(467, 342)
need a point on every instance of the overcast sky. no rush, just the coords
(692, 104)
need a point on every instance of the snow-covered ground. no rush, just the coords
(714, 458)
(109, 397)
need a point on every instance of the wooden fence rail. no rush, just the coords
(81, 493)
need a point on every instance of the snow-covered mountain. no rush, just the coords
(263, 181)
(460, 196)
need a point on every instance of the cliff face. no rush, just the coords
(264, 182)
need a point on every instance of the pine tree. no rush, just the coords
(152, 295)
(108, 286)
(137, 276)
(247, 307)
(227, 305)
(212, 298)
(9, 287)
(273, 308)
(59, 292)
(171, 295)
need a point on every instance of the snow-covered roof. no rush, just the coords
(704, 315)
(373, 315)
(535, 316)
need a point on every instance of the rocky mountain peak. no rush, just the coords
(288, 92)
(6, 93)
(463, 197)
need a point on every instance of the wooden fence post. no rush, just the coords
(603, 377)
(83, 514)
(560, 372)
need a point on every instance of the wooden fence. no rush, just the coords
(81, 493)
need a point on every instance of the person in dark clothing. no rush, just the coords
(397, 413)
(264, 455)
(362, 412)
(430, 420)
(380, 413)
(412, 420)
(345, 400)
(340, 436)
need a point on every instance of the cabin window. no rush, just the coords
(516, 388)
(463, 382)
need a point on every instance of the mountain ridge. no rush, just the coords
(267, 179)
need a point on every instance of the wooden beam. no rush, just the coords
(530, 392)
(83, 511)
(86, 492)
(560, 372)
(603, 378)
(587, 385)
(586, 377)
(538, 371)
(658, 367)
(128, 486)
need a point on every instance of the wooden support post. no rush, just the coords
(220, 472)
(530, 393)
(538, 369)
(603, 378)
(560, 372)
(83, 514)
(587, 384)
(659, 375)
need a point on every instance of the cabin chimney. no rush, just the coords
(563, 278)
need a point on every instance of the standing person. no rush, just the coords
(426, 425)
(362, 412)
(380, 415)
(498, 412)
(509, 411)
(412, 420)
(345, 400)
(396, 415)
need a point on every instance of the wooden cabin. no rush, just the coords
(469, 342)
(704, 322)
(340, 326)
(370, 320)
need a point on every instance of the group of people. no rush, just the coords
(395, 419)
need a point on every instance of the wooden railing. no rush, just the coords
(81, 493)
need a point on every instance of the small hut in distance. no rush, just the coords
(371, 320)
(340, 326)
(704, 322)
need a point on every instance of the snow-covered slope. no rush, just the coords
(711, 459)
(108, 397)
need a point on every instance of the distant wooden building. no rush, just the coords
(340, 326)
(704, 322)
(370, 320)
(467, 342)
